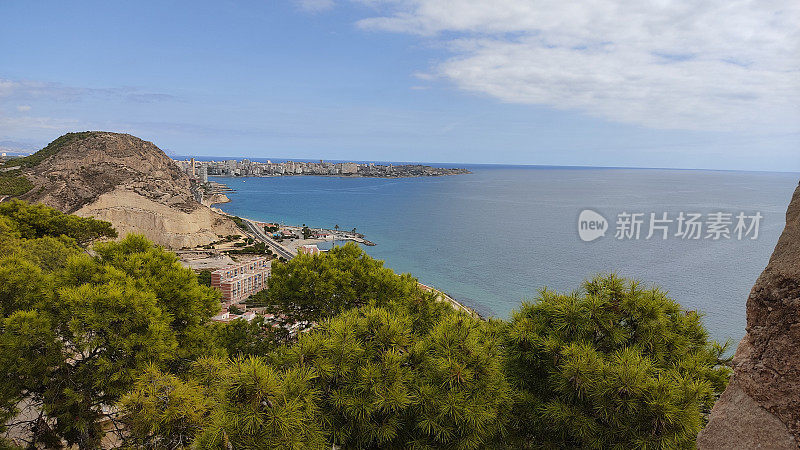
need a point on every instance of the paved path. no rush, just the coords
(259, 233)
(453, 302)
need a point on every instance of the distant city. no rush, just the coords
(201, 170)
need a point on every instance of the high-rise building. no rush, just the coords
(204, 173)
(349, 167)
(242, 280)
(191, 168)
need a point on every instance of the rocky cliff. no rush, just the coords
(126, 181)
(761, 406)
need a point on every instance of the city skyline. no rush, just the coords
(712, 86)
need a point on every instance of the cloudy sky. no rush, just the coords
(689, 84)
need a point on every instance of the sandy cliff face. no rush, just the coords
(761, 407)
(128, 182)
(134, 213)
(215, 199)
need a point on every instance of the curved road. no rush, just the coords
(259, 234)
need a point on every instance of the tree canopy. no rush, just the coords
(35, 221)
(315, 287)
(78, 329)
(190, 305)
(614, 366)
(117, 338)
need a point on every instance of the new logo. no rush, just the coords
(591, 225)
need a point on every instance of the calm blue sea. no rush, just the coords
(494, 238)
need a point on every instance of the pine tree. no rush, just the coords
(314, 287)
(365, 377)
(189, 304)
(35, 221)
(463, 397)
(263, 408)
(163, 411)
(386, 383)
(80, 347)
(613, 366)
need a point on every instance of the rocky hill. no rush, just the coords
(761, 406)
(124, 180)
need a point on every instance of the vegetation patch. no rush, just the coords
(383, 363)
(240, 223)
(14, 184)
(37, 221)
(259, 248)
(51, 149)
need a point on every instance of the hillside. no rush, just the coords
(122, 179)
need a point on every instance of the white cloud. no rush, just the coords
(23, 108)
(33, 89)
(21, 126)
(716, 64)
(27, 89)
(315, 5)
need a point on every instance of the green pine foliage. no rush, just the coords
(35, 221)
(204, 277)
(123, 326)
(314, 287)
(77, 329)
(164, 411)
(264, 408)
(241, 337)
(463, 394)
(383, 385)
(74, 340)
(363, 362)
(177, 291)
(13, 183)
(613, 366)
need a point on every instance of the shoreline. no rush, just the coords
(442, 296)
(385, 177)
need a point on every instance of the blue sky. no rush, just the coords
(661, 84)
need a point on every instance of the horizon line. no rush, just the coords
(430, 163)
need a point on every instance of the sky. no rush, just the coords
(685, 84)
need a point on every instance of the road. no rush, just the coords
(259, 233)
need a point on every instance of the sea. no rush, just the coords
(494, 238)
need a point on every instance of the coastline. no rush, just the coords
(328, 175)
(297, 243)
(458, 306)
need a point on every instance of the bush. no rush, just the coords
(323, 285)
(240, 223)
(204, 277)
(14, 184)
(613, 366)
(35, 221)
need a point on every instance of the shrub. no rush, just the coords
(613, 366)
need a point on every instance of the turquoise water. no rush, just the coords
(494, 238)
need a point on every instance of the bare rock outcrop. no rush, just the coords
(761, 406)
(126, 181)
